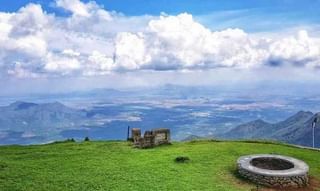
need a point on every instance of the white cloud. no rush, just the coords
(70, 52)
(191, 45)
(76, 7)
(299, 50)
(62, 63)
(31, 45)
(21, 72)
(29, 20)
(130, 51)
(99, 64)
(93, 41)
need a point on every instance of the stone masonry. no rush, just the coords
(295, 176)
(151, 138)
(276, 181)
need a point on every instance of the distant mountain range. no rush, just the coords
(26, 123)
(28, 116)
(23, 122)
(297, 129)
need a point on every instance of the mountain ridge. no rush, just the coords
(21, 121)
(295, 130)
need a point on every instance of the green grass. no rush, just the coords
(116, 165)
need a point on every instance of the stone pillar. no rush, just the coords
(148, 139)
(168, 136)
(136, 135)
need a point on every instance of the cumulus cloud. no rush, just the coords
(300, 51)
(130, 51)
(93, 41)
(76, 7)
(191, 45)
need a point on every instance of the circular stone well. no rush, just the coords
(274, 170)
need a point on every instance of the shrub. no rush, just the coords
(3, 166)
(182, 159)
(86, 139)
(64, 141)
(71, 140)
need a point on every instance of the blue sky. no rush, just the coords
(70, 43)
(154, 7)
(272, 13)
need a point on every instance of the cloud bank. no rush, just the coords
(92, 41)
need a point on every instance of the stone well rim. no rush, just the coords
(300, 167)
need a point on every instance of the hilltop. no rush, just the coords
(115, 165)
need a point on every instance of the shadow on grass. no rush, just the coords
(243, 181)
(165, 145)
(62, 141)
(3, 166)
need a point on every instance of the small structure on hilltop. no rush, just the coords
(274, 170)
(151, 138)
(135, 134)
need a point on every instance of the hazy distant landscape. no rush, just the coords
(105, 114)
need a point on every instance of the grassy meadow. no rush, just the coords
(115, 165)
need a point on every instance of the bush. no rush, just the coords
(182, 159)
(86, 139)
(71, 140)
(65, 141)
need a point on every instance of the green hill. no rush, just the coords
(115, 165)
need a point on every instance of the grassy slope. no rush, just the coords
(117, 166)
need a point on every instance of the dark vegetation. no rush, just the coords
(182, 159)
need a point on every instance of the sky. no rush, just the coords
(70, 45)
